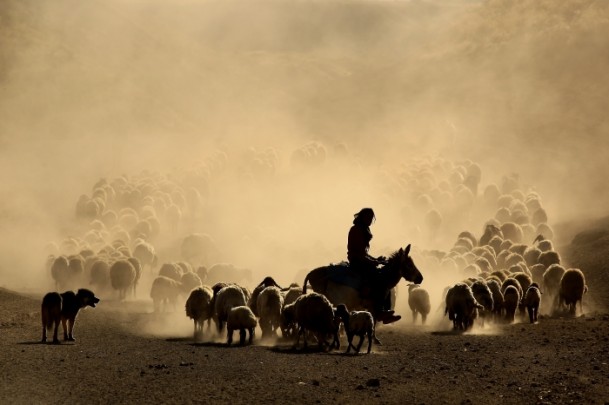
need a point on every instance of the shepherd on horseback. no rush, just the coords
(365, 265)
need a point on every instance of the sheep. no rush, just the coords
(511, 281)
(418, 301)
(269, 304)
(313, 312)
(164, 292)
(461, 306)
(572, 289)
(291, 294)
(483, 296)
(122, 277)
(171, 270)
(100, 274)
(252, 301)
(531, 300)
(531, 255)
(199, 308)
(551, 279)
(60, 272)
(548, 258)
(495, 288)
(226, 299)
(146, 254)
(243, 319)
(489, 232)
(511, 299)
(138, 271)
(190, 281)
(470, 236)
(358, 323)
(288, 323)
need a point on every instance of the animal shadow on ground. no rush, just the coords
(301, 350)
(49, 343)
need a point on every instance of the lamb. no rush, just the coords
(531, 301)
(64, 307)
(461, 306)
(226, 299)
(164, 291)
(572, 289)
(269, 304)
(313, 312)
(199, 308)
(122, 277)
(243, 319)
(357, 323)
(418, 301)
(511, 299)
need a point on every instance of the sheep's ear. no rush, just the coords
(407, 251)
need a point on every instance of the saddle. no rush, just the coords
(342, 273)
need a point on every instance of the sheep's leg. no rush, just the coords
(359, 344)
(242, 336)
(300, 331)
(369, 342)
(71, 329)
(423, 318)
(55, 330)
(252, 331)
(65, 328)
(229, 332)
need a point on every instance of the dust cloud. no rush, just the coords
(296, 114)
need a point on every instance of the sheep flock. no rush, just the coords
(487, 250)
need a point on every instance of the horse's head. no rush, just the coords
(408, 269)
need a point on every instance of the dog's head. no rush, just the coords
(87, 297)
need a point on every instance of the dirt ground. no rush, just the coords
(117, 359)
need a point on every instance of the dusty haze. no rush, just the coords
(99, 89)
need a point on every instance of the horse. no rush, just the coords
(398, 265)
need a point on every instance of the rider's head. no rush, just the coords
(364, 217)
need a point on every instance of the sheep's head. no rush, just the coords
(341, 312)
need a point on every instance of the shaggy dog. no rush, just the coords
(64, 307)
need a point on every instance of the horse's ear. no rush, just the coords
(407, 251)
(401, 251)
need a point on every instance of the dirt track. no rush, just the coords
(555, 361)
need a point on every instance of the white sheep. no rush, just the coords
(199, 308)
(419, 302)
(357, 323)
(227, 298)
(164, 292)
(243, 319)
(122, 277)
(531, 301)
(269, 304)
(572, 289)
